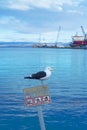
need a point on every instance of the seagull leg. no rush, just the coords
(42, 83)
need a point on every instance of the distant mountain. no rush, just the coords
(32, 44)
(16, 44)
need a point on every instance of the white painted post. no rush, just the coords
(41, 119)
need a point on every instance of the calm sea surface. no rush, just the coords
(67, 86)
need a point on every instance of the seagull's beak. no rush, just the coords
(52, 69)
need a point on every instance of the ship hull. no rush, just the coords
(78, 41)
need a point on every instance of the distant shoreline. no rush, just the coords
(36, 45)
(41, 47)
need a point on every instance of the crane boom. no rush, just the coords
(83, 30)
(58, 35)
(85, 35)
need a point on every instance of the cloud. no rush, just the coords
(75, 12)
(11, 23)
(17, 25)
(45, 4)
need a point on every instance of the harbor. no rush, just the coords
(77, 42)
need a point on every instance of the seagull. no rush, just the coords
(41, 75)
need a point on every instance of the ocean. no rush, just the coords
(67, 88)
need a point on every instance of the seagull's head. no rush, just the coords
(49, 68)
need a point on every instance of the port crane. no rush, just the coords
(59, 29)
(85, 34)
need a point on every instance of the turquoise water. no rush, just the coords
(67, 87)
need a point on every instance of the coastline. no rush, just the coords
(37, 45)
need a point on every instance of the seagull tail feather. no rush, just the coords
(28, 77)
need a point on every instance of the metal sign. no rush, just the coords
(38, 95)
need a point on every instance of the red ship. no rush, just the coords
(79, 41)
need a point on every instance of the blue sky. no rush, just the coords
(26, 20)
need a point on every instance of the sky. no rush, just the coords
(44, 20)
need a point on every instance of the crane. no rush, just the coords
(85, 35)
(59, 29)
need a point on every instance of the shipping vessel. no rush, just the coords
(79, 41)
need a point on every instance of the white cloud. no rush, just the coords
(75, 12)
(11, 23)
(46, 4)
(8, 20)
